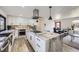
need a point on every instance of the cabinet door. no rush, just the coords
(33, 41)
(38, 47)
(16, 33)
(40, 44)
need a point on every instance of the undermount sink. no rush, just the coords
(4, 34)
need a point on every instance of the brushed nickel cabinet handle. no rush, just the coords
(38, 45)
(38, 39)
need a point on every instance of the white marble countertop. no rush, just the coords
(48, 35)
(6, 31)
(45, 35)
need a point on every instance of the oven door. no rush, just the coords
(22, 32)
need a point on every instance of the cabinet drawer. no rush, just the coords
(39, 40)
(38, 48)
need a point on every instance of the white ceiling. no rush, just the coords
(27, 11)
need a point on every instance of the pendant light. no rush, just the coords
(50, 17)
(35, 14)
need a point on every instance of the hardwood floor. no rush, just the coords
(67, 48)
(22, 45)
(72, 44)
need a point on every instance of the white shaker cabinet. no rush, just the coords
(41, 43)
(31, 39)
(38, 44)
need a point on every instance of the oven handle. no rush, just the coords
(5, 46)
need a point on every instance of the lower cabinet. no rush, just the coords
(43, 44)
(38, 44)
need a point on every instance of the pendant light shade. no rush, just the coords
(35, 13)
(50, 17)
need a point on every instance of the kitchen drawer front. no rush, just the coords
(40, 45)
(38, 48)
(39, 40)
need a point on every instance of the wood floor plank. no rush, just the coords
(21, 45)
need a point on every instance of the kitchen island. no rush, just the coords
(45, 41)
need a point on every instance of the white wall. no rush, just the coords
(75, 13)
(66, 23)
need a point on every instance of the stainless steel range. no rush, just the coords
(22, 32)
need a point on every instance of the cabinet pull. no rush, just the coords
(38, 39)
(38, 45)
